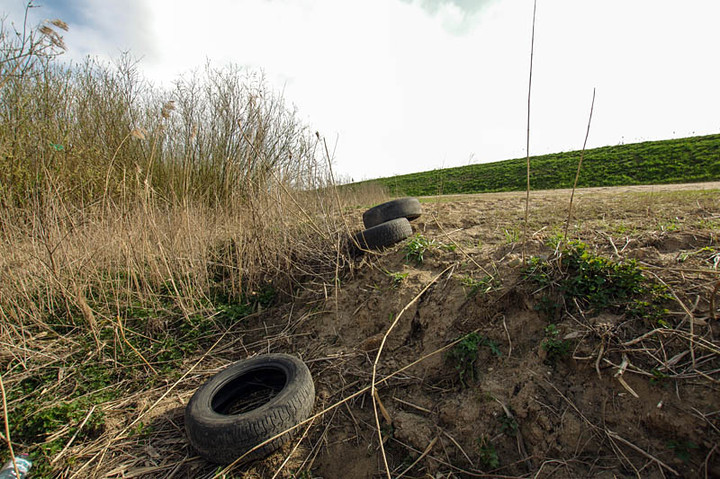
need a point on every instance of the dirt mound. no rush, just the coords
(497, 359)
(576, 392)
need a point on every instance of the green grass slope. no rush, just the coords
(686, 160)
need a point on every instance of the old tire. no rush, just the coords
(401, 208)
(384, 234)
(246, 404)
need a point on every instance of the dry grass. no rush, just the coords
(138, 226)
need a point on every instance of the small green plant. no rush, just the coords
(595, 284)
(539, 271)
(396, 278)
(548, 307)
(554, 347)
(598, 281)
(416, 248)
(682, 449)
(658, 378)
(448, 247)
(713, 256)
(512, 235)
(555, 240)
(465, 354)
(142, 429)
(649, 305)
(669, 225)
(488, 455)
(508, 425)
(483, 285)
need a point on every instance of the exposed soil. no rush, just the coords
(631, 398)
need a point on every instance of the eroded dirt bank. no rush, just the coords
(497, 370)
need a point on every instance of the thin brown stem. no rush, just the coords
(7, 427)
(577, 174)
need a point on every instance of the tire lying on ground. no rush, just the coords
(401, 208)
(247, 403)
(384, 234)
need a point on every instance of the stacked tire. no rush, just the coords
(387, 223)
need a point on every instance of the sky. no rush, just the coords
(401, 86)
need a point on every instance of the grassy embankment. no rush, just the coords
(686, 160)
(137, 226)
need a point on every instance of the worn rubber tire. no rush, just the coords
(401, 208)
(384, 234)
(221, 436)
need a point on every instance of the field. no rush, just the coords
(685, 160)
(150, 238)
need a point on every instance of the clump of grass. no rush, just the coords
(512, 235)
(416, 248)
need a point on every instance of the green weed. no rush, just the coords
(555, 240)
(512, 235)
(669, 225)
(555, 348)
(416, 248)
(483, 285)
(396, 278)
(540, 271)
(597, 284)
(508, 425)
(447, 247)
(465, 353)
(488, 455)
(549, 307)
(658, 378)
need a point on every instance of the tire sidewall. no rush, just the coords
(408, 207)
(200, 406)
(384, 234)
(221, 438)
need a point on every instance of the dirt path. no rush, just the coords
(565, 192)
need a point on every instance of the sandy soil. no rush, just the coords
(630, 399)
(575, 418)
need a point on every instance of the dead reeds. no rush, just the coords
(139, 224)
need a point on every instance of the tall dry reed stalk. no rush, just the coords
(577, 173)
